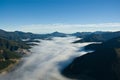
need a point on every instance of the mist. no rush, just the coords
(47, 59)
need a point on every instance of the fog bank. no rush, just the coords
(47, 59)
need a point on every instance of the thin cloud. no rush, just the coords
(47, 59)
(69, 28)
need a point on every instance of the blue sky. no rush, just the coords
(44, 16)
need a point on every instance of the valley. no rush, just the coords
(59, 56)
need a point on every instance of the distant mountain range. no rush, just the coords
(97, 36)
(18, 35)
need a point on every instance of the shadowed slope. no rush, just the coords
(99, 65)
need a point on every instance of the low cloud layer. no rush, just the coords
(47, 59)
(70, 28)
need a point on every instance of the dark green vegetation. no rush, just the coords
(10, 42)
(102, 64)
(4, 64)
(7, 52)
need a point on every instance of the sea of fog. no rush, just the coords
(47, 59)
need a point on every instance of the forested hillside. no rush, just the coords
(102, 64)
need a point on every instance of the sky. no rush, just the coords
(45, 16)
